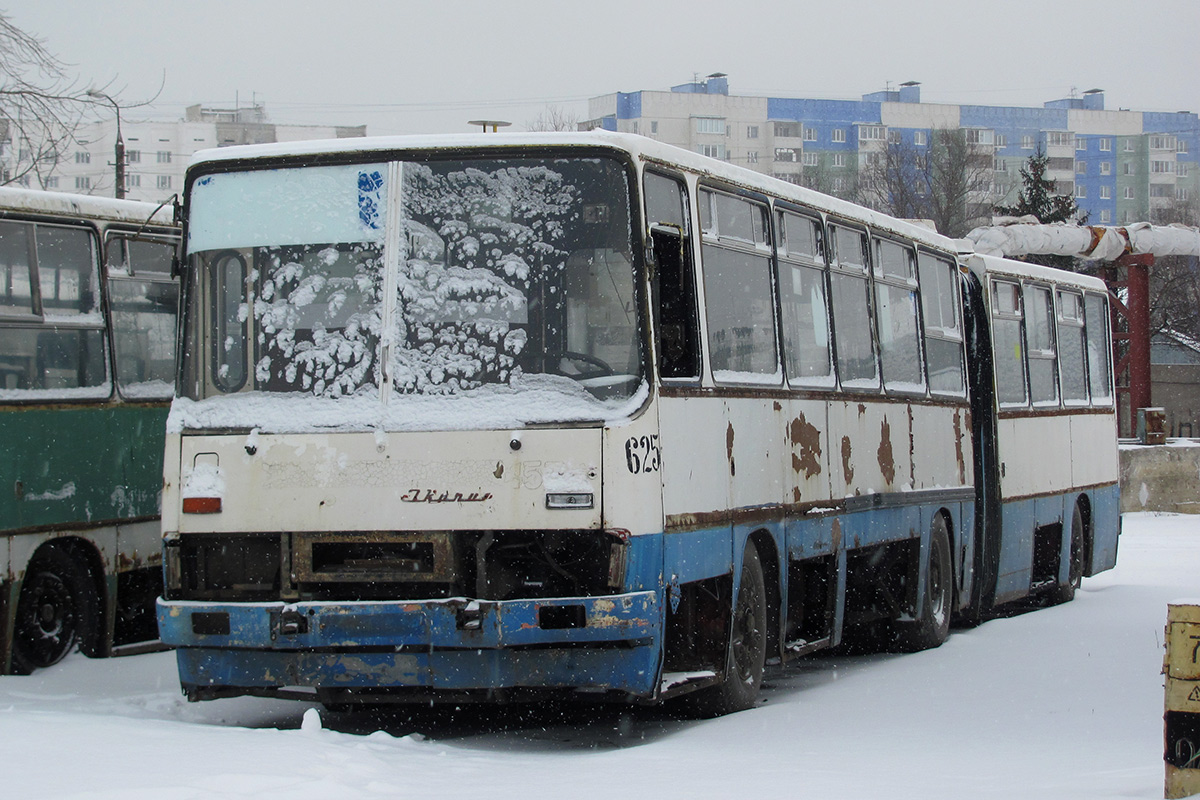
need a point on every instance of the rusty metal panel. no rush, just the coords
(754, 451)
(807, 473)
(695, 456)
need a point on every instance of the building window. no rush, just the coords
(1127, 168)
(83, 157)
(980, 136)
(24, 180)
(893, 137)
(1060, 139)
(1129, 146)
(1128, 192)
(133, 181)
(1162, 142)
(1106, 193)
(1181, 193)
(1026, 142)
(133, 156)
(810, 159)
(1080, 190)
(1181, 146)
(1105, 145)
(838, 184)
(999, 164)
(83, 182)
(871, 133)
(164, 156)
(788, 130)
(786, 154)
(1080, 143)
(634, 128)
(1181, 169)
(751, 131)
(810, 134)
(920, 138)
(752, 157)
(654, 126)
(1160, 190)
(839, 135)
(164, 181)
(1106, 168)
(1081, 168)
(51, 183)
(1162, 167)
(839, 159)
(1105, 216)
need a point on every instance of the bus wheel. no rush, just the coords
(933, 626)
(1065, 593)
(56, 611)
(746, 652)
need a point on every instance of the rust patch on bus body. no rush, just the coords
(912, 450)
(778, 407)
(862, 409)
(847, 467)
(887, 460)
(805, 435)
(958, 446)
(835, 540)
(729, 448)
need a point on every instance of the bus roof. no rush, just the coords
(61, 204)
(983, 265)
(640, 147)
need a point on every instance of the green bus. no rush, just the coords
(87, 363)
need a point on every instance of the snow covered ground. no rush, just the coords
(1063, 702)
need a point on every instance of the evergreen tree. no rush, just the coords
(1037, 197)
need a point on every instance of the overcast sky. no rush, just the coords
(409, 67)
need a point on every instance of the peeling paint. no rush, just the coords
(729, 448)
(862, 409)
(847, 467)
(958, 446)
(887, 460)
(808, 438)
(912, 450)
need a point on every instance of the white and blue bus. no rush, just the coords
(482, 417)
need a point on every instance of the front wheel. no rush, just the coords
(57, 611)
(746, 652)
(933, 626)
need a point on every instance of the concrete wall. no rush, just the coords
(1162, 478)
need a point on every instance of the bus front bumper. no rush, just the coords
(608, 643)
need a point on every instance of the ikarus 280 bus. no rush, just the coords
(484, 417)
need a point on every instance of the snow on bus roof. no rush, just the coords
(983, 265)
(61, 204)
(639, 146)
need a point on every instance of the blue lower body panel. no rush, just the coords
(608, 643)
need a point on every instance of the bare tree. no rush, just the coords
(554, 118)
(41, 106)
(947, 181)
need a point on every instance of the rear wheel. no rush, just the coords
(933, 626)
(746, 652)
(57, 610)
(1064, 593)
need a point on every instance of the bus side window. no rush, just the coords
(896, 316)
(853, 333)
(16, 288)
(802, 300)
(1039, 336)
(1007, 343)
(940, 310)
(1071, 347)
(676, 321)
(1098, 349)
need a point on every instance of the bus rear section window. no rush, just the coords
(896, 314)
(16, 293)
(737, 285)
(1071, 348)
(677, 321)
(1039, 334)
(1007, 343)
(1098, 349)
(853, 334)
(803, 303)
(943, 324)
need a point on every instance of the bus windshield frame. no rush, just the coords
(513, 280)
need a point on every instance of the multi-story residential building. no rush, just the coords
(157, 152)
(1121, 166)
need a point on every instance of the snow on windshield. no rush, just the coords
(431, 279)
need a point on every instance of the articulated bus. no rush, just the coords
(484, 417)
(87, 368)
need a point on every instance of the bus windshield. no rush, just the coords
(503, 279)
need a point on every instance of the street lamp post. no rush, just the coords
(119, 152)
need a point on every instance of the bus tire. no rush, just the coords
(1065, 593)
(57, 610)
(746, 649)
(933, 626)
